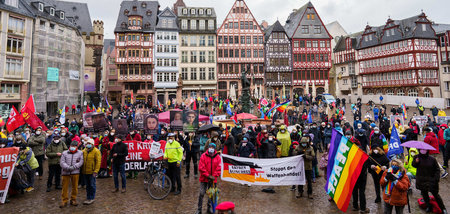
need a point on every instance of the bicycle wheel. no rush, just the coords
(159, 186)
(147, 177)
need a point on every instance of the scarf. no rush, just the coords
(390, 185)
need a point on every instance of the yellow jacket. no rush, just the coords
(441, 113)
(91, 161)
(173, 152)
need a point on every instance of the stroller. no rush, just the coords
(18, 181)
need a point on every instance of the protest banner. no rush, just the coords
(151, 124)
(190, 120)
(95, 122)
(421, 120)
(442, 119)
(8, 157)
(393, 118)
(121, 126)
(176, 120)
(219, 117)
(139, 154)
(266, 172)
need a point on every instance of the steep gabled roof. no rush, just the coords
(298, 18)
(78, 13)
(22, 9)
(147, 18)
(441, 28)
(167, 13)
(293, 20)
(341, 45)
(230, 16)
(276, 27)
(46, 15)
(109, 44)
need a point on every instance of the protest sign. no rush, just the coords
(139, 120)
(139, 154)
(176, 120)
(151, 124)
(219, 117)
(8, 157)
(393, 118)
(120, 126)
(421, 120)
(442, 119)
(266, 172)
(95, 122)
(190, 120)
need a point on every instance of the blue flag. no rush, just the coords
(309, 120)
(229, 109)
(394, 144)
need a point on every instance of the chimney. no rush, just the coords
(264, 24)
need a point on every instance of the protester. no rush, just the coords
(191, 146)
(54, 152)
(305, 149)
(27, 161)
(118, 154)
(215, 139)
(91, 166)
(173, 154)
(378, 162)
(410, 170)
(210, 169)
(395, 185)
(447, 145)
(431, 139)
(229, 146)
(246, 149)
(36, 142)
(71, 162)
(285, 139)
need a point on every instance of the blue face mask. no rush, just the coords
(395, 169)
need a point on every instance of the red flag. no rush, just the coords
(88, 109)
(132, 97)
(15, 120)
(286, 121)
(33, 120)
(29, 104)
(234, 118)
(195, 105)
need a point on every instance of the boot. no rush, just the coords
(62, 204)
(58, 187)
(73, 203)
(186, 176)
(115, 190)
(48, 189)
(429, 209)
(124, 190)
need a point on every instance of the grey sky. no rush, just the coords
(353, 15)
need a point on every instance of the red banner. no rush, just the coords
(32, 119)
(15, 120)
(29, 104)
(139, 154)
(8, 157)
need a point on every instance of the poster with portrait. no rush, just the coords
(190, 120)
(139, 117)
(120, 126)
(100, 122)
(87, 122)
(176, 120)
(151, 124)
(394, 118)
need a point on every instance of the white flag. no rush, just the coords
(62, 119)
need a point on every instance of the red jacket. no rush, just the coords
(441, 134)
(209, 165)
(137, 137)
(432, 140)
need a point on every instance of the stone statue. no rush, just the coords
(245, 96)
(244, 81)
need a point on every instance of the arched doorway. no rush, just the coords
(310, 90)
(320, 90)
(161, 99)
(298, 91)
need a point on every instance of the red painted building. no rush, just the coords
(399, 58)
(240, 43)
(311, 50)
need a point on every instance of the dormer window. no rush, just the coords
(149, 12)
(208, 11)
(185, 11)
(41, 7)
(192, 11)
(61, 15)
(125, 12)
(134, 8)
(200, 12)
(144, 5)
(147, 25)
(12, 3)
(52, 11)
(123, 25)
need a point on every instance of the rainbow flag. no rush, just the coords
(345, 161)
(159, 105)
(282, 107)
(107, 103)
(405, 114)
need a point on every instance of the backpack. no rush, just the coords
(433, 203)
(19, 179)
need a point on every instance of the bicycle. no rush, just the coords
(157, 183)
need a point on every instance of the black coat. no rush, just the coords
(193, 147)
(381, 159)
(122, 152)
(428, 173)
(230, 144)
(269, 148)
(245, 151)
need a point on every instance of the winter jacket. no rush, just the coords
(36, 143)
(379, 158)
(269, 148)
(91, 161)
(121, 149)
(434, 111)
(377, 140)
(52, 150)
(447, 135)
(209, 165)
(136, 137)
(27, 157)
(247, 150)
(432, 140)
(74, 127)
(173, 152)
(441, 139)
(202, 141)
(398, 196)
(285, 140)
(229, 146)
(327, 135)
(428, 173)
(71, 162)
(408, 162)
(308, 155)
(191, 145)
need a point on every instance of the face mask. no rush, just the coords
(314, 127)
(47, 134)
(223, 135)
(283, 131)
(94, 136)
(270, 138)
(304, 144)
(105, 135)
(73, 149)
(375, 151)
(443, 127)
(348, 136)
(238, 127)
(162, 133)
(116, 140)
(149, 137)
(2, 145)
(423, 151)
(244, 144)
(413, 153)
(63, 134)
(328, 126)
(10, 138)
(19, 142)
(294, 132)
(211, 150)
(377, 132)
(395, 169)
(56, 141)
(132, 133)
(112, 134)
(89, 146)
(38, 132)
(273, 127)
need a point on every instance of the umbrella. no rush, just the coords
(213, 194)
(208, 127)
(418, 145)
(246, 116)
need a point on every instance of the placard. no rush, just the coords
(52, 74)
(139, 154)
(120, 126)
(151, 124)
(74, 75)
(8, 158)
(190, 120)
(176, 120)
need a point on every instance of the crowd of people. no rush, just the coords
(79, 157)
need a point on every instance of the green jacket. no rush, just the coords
(308, 155)
(52, 150)
(173, 152)
(447, 134)
(36, 143)
(74, 128)
(285, 139)
(408, 162)
(27, 157)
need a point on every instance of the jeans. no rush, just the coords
(308, 175)
(203, 187)
(90, 186)
(174, 174)
(66, 179)
(442, 150)
(388, 209)
(54, 171)
(116, 169)
(40, 169)
(193, 156)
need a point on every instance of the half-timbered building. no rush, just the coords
(277, 61)
(311, 50)
(348, 81)
(443, 34)
(240, 47)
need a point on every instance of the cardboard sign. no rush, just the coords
(139, 154)
(151, 124)
(176, 120)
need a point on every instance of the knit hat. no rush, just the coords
(304, 140)
(212, 145)
(74, 143)
(295, 143)
(90, 141)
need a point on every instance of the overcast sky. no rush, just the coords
(353, 15)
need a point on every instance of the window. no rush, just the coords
(202, 24)
(446, 70)
(193, 40)
(305, 29)
(9, 88)
(413, 92)
(315, 44)
(185, 11)
(166, 77)
(15, 25)
(184, 24)
(193, 24)
(13, 67)
(193, 56)
(52, 11)
(249, 40)
(184, 73)
(427, 92)
(41, 7)
(192, 11)
(202, 41)
(173, 48)
(211, 74)
(184, 41)
(210, 40)
(202, 74)
(173, 77)
(14, 45)
(112, 82)
(211, 56)
(193, 73)
(173, 62)
(184, 56)
(424, 27)
(202, 56)
(317, 29)
(400, 92)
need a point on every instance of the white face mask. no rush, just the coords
(2, 145)
(112, 134)
(116, 140)
(375, 151)
(38, 132)
(211, 150)
(170, 141)
(244, 144)
(283, 131)
(56, 141)
(413, 153)
(423, 151)
(149, 137)
(304, 144)
(63, 134)
(270, 138)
